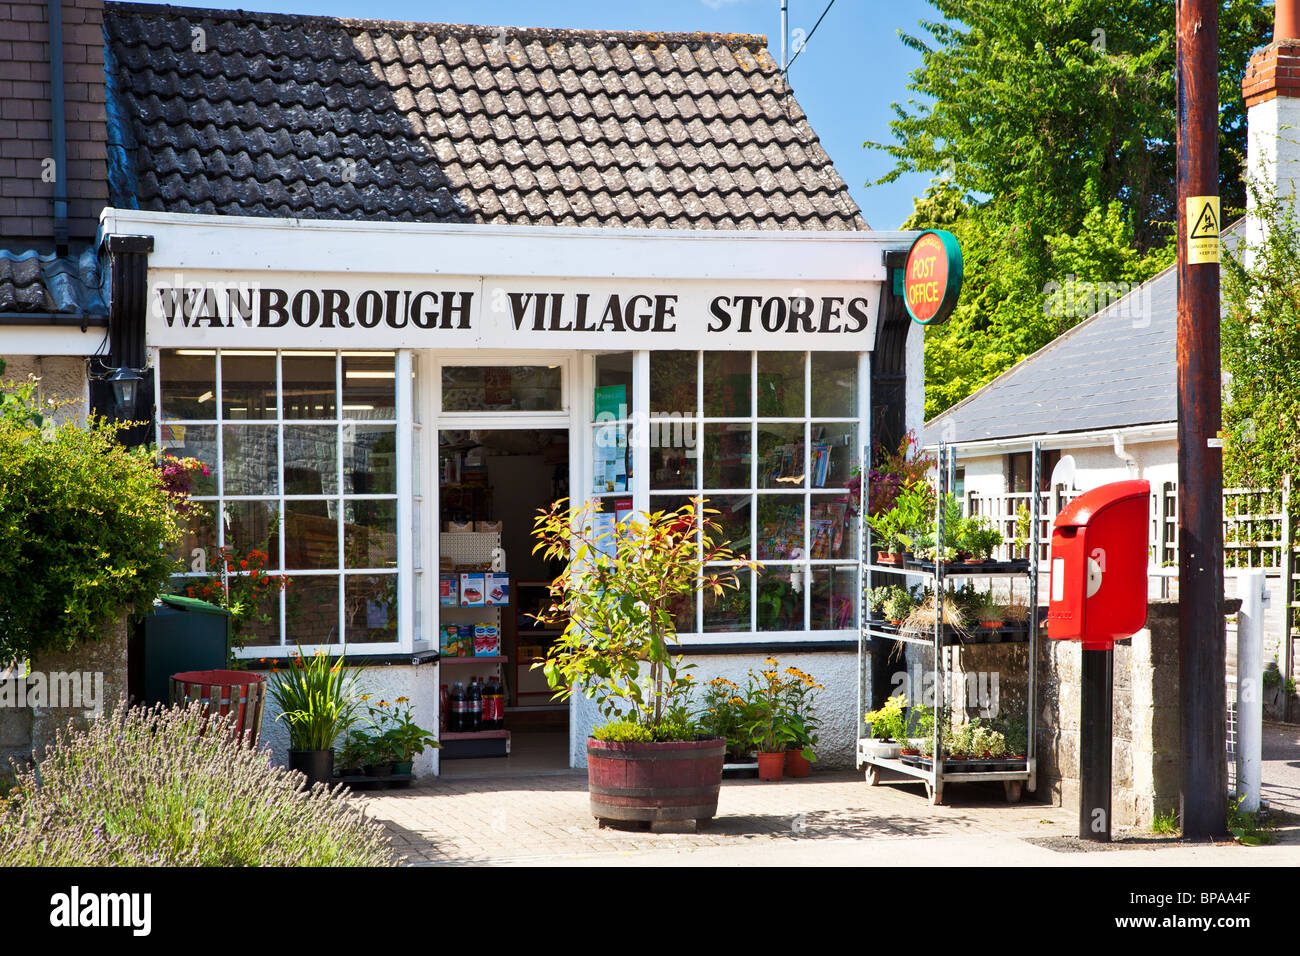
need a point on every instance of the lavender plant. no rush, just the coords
(170, 787)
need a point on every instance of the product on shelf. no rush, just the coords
(448, 590)
(494, 712)
(471, 589)
(474, 706)
(456, 721)
(444, 701)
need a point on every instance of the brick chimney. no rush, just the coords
(27, 141)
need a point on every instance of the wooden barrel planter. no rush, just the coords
(677, 780)
(239, 694)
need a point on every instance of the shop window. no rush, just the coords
(1020, 470)
(301, 449)
(495, 388)
(771, 454)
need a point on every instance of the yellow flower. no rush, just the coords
(772, 662)
(737, 700)
(365, 696)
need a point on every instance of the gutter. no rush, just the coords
(1156, 431)
(82, 321)
(58, 127)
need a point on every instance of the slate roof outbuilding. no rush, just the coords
(252, 114)
(35, 283)
(1117, 368)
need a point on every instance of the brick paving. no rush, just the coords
(547, 818)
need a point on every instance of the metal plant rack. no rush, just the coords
(1014, 775)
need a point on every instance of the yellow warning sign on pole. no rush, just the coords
(1202, 229)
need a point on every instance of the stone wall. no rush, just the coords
(59, 377)
(28, 730)
(1145, 754)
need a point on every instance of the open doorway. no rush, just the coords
(492, 482)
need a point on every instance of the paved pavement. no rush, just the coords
(831, 818)
(1280, 772)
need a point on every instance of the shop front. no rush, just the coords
(385, 407)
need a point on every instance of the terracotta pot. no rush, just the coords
(796, 765)
(771, 766)
(675, 780)
(991, 625)
(889, 558)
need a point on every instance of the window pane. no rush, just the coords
(732, 520)
(613, 397)
(780, 605)
(261, 628)
(832, 531)
(311, 534)
(194, 441)
(833, 598)
(780, 526)
(780, 384)
(726, 384)
(370, 533)
(673, 377)
(251, 459)
(311, 610)
(729, 611)
(369, 459)
(835, 384)
(781, 461)
(370, 607)
(311, 464)
(198, 532)
(727, 455)
(611, 458)
(674, 459)
(309, 386)
(248, 385)
(834, 453)
(369, 385)
(253, 526)
(474, 388)
(189, 384)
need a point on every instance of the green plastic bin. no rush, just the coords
(179, 634)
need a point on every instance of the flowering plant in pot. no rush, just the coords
(773, 729)
(726, 714)
(802, 692)
(317, 698)
(616, 599)
(888, 726)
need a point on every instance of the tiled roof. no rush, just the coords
(1117, 368)
(35, 283)
(255, 114)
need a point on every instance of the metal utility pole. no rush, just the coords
(785, 32)
(1201, 640)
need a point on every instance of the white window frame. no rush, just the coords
(403, 497)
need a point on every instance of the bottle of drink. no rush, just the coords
(490, 703)
(458, 708)
(474, 698)
(498, 704)
(444, 701)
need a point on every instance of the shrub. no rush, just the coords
(171, 787)
(623, 732)
(85, 525)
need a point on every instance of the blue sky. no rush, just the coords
(853, 68)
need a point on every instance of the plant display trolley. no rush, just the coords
(946, 640)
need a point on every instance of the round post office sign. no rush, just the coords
(932, 277)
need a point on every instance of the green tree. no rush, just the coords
(84, 529)
(1261, 349)
(1053, 127)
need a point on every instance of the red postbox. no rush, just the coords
(1099, 565)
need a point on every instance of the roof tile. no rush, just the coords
(480, 124)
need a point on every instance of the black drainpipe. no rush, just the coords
(888, 426)
(58, 128)
(128, 270)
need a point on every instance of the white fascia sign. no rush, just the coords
(238, 282)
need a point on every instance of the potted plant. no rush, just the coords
(989, 614)
(979, 539)
(900, 526)
(351, 759)
(888, 727)
(726, 714)
(398, 739)
(898, 605)
(1016, 738)
(1020, 542)
(317, 698)
(801, 690)
(614, 600)
(876, 599)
